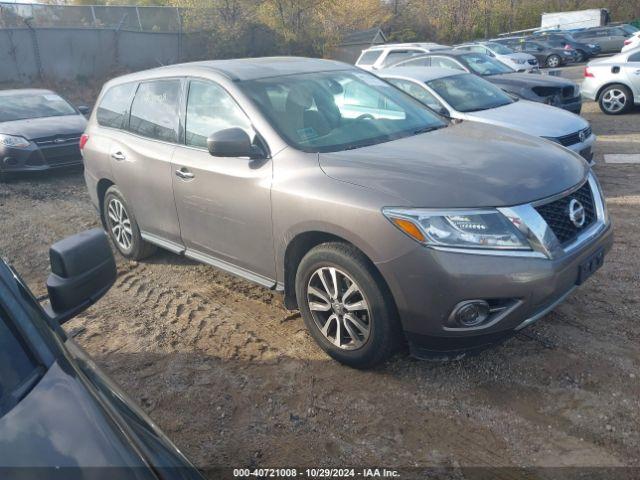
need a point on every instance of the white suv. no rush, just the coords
(381, 56)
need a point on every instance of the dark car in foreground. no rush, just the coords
(558, 92)
(375, 216)
(39, 130)
(61, 417)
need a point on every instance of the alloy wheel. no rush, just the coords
(614, 100)
(553, 61)
(120, 224)
(339, 308)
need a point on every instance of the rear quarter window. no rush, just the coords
(369, 58)
(114, 105)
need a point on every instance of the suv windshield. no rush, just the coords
(468, 93)
(23, 106)
(484, 65)
(338, 110)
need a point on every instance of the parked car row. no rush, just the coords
(555, 91)
(465, 96)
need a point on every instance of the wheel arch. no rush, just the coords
(300, 245)
(101, 188)
(609, 84)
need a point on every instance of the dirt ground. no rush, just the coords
(234, 379)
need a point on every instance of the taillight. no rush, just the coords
(627, 42)
(83, 140)
(588, 73)
(568, 47)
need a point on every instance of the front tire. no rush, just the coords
(553, 61)
(616, 99)
(122, 227)
(346, 305)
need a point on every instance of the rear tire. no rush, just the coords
(122, 227)
(616, 99)
(553, 61)
(350, 313)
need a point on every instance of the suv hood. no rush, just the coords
(33, 128)
(533, 118)
(464, 165)
(529, 79)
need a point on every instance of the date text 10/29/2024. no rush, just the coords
(315, 473)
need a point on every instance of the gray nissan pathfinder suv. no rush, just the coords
(377, 218)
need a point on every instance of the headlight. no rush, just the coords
(481, 229)
(13, 141)
(591, 45)
(567, 53)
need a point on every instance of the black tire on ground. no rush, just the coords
(384, 335)
(616, 99)
(137, 248)
(553, 61)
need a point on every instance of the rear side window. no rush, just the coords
(634, 58)
(445, 62)
(417, 62)
(418, 92)
(369, 58)
(155, 110)
(18, 368)
(114, 105)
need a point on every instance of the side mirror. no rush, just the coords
(83, 109)
(232, 142)
(82, 271)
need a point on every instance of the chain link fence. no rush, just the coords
(139, 19)
(69, 42)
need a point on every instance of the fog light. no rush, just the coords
(471, 313)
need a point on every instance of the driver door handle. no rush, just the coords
(118, 156)
(184, 174)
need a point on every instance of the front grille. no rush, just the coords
(60, 149)
(574, 138)
(568, 92)
(556, 214)
(533, 62)
(57, 140)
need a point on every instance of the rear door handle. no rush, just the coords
(118, 156)
(184, 174)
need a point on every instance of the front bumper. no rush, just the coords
(428, 284)
(573, 105)
(36, 158)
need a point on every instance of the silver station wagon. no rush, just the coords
(380, 220)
